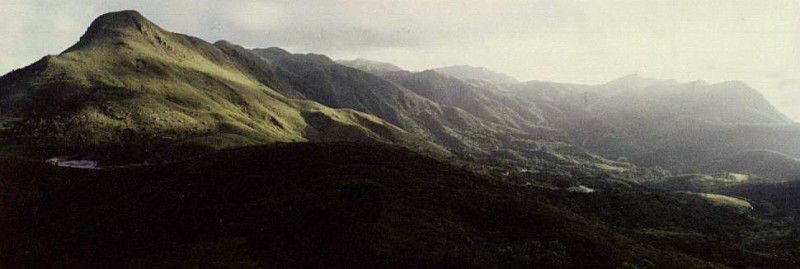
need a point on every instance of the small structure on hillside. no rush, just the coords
(72, 162)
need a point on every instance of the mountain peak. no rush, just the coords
(224, 43)
(734, 84)
(634, 76)
(126, 19)
(635, 81)
(118, 25)
(630, 77)
(117, 16)
(274, 52)
(374, 67)
(479, 73)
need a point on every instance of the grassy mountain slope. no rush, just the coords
(468, 127)
(481, 103)
(318, 78)
(129, 82)
(704, 182)
(361, 206)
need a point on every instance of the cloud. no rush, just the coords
(33, 29)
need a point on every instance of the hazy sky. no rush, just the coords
(567, 41)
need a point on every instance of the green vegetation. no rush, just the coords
(361, 205)
(703, 182)
(129, 84)
(723, 200)
(462, 117)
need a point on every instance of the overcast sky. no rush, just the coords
(567, 41)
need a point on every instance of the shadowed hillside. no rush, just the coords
(361, 205)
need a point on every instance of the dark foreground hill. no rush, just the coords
(344, 205)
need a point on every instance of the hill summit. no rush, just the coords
(479, 73)
(119, 27)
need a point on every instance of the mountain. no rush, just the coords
(373, 67)
(732, 102)
(467, 127)
(684, 127)
(476, 73)
(320, 79)
(131, 90)
(564, 107)
(484, 104)
(634, 82)
(704, 183)
(691, 126)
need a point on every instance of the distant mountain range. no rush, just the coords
(129, 82)
(684, 127)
